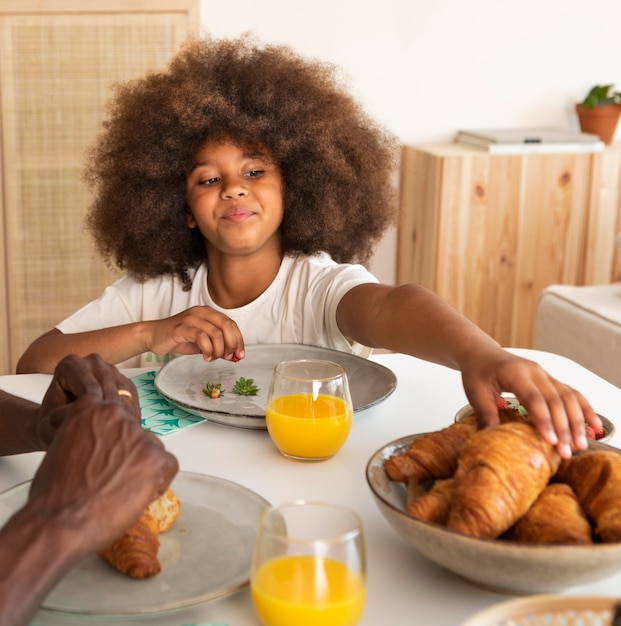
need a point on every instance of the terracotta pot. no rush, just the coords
(600, 120)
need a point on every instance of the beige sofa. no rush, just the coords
(584, 324)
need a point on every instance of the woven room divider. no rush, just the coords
(58, 60)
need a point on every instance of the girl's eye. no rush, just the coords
(208, 182)
(254, 173)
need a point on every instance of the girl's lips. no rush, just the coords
(237, 214)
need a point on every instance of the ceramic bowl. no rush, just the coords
(497, 564)
(609, 427)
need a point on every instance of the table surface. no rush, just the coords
(403, 586)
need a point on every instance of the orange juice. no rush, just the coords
(306, 591)
(306, 427)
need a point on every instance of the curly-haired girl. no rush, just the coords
(240, 190)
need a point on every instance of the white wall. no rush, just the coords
(426, 68)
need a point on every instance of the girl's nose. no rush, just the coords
(233, 189)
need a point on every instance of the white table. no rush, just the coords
(403, 587)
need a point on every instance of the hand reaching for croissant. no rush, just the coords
(558, 411)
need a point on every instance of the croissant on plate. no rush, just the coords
(500, 473)
(555, 517)
(595, 477)
(165, 509)
(135, 553)
(432, 455)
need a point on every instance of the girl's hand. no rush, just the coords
(199, 329)
(558, 411)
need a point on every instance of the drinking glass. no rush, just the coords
(309, 566)
(309, 411)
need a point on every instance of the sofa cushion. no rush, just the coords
(583, 324)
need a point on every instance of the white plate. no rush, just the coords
(206, 554)
(183, 379)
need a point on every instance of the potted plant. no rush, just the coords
(599, 112)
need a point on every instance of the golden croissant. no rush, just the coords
(135, 553)
(500, 473)
(595, 477)
(555, 517)
(434, 505)
(432, 455)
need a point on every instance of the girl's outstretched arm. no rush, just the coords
(413, 320)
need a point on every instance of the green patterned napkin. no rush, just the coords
(158, 414)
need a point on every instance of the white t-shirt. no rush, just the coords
(298, 307)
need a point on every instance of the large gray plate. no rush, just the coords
(206, 554)
(182, 381)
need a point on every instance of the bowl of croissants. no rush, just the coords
(500, 508)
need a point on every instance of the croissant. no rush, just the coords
(434, 505)
(595, 477)
(500, 473)
(135, 553)
(165, 509)
(432, 455)
(555, 517)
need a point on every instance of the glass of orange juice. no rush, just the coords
(309, 411)
(309, 566)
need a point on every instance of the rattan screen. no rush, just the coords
(55, 76)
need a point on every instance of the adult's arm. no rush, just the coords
(71, 512)
(18, 425)
(27, 427)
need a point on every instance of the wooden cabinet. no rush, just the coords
(488, 232)
(58, 62)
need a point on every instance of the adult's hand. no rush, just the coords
(101, 470)
(75, 377)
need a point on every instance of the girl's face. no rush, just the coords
(235, 198)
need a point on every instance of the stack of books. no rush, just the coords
(523, 140)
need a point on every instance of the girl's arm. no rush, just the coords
(413, 320)
(114, 344)
(199, 329)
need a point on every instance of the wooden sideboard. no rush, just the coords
(488, 232)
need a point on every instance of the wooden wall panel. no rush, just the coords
(497, 229)
(602, 264)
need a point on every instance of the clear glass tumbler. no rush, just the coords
(309, 566)
(309, 411)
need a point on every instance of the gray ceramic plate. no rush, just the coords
(497, 564)
(206, 554)
(183, 379)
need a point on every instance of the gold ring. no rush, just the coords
(125, 392)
